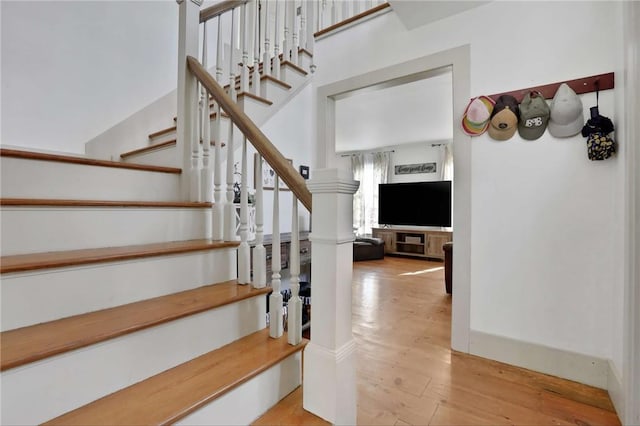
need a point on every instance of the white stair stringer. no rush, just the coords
(27, 178)
(247, 402)
(27, 229)
(45, 295)
(42, 390)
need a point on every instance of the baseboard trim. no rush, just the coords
(615, 389)
(569, 365)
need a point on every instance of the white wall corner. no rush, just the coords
(615, 388)
(569, 365)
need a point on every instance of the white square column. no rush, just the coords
(329, 359)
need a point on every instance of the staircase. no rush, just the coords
(112, 295)
(124, 296)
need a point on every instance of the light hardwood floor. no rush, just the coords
(407, 374)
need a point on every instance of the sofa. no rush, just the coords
(368, 249)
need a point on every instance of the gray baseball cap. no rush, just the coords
(566, 117)
(534, 116)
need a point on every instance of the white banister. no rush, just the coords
(187, 94)
(245, 35)
(229, 208)
(206, 178)
(255, 89)
(218, 210)
(276, 325)
(294, 306)
(266, 61)
(244, 252)
(276, 43)
(259, 252)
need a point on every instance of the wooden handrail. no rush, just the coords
(260, 142)
(353, 19)
(219, 9)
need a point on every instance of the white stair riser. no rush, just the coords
(42, 229)
(48, 179)
(42, 390)
(33, 297)
(247, 402)
(273, 91)
(293, 77)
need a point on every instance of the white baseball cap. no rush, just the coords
(566, 117)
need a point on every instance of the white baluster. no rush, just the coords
(356, 7)
(276, 325)
(259, 252)
(218, 210)
(294, 32)
(207, 192)
(322, 8)
(232, 61)
(266, 61)
(195, 184)
(276, 43)
(245, 34)
(368, 4)
(303, 24)
(294, 307)
(310, 31)
(244, 252)
(345, 11)
(334, 12)
(286, 39)
(256, 49)
(229, 208)
(187, 92)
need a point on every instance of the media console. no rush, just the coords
(413, 242)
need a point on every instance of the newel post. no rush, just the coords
(330, 358)
(187, 122)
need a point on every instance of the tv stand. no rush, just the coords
(413, 242)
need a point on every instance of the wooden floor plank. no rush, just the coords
(58, 259)
(402, 327)
(175, 393)
(33, 343)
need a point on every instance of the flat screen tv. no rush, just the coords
(415, 203)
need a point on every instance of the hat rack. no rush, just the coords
(580, 86)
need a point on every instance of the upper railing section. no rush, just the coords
(336, 15)
(220, 8)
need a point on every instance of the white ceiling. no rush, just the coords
(415, 13)
(397, 113)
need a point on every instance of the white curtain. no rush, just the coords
(446, 162)
(370, 169)
(357, 167)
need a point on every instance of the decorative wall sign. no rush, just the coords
(304, 172)
(268, 175)
(410, 169)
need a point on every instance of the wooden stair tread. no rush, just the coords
(293, 66)
(148, 148)
(167, 144)
(175, 393)
(255, 97)
(58, 259)
(28, 344)
(5, 152)
(41, 202)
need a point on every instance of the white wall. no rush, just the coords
(70, 70)
(415, 154)
(542, 268)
